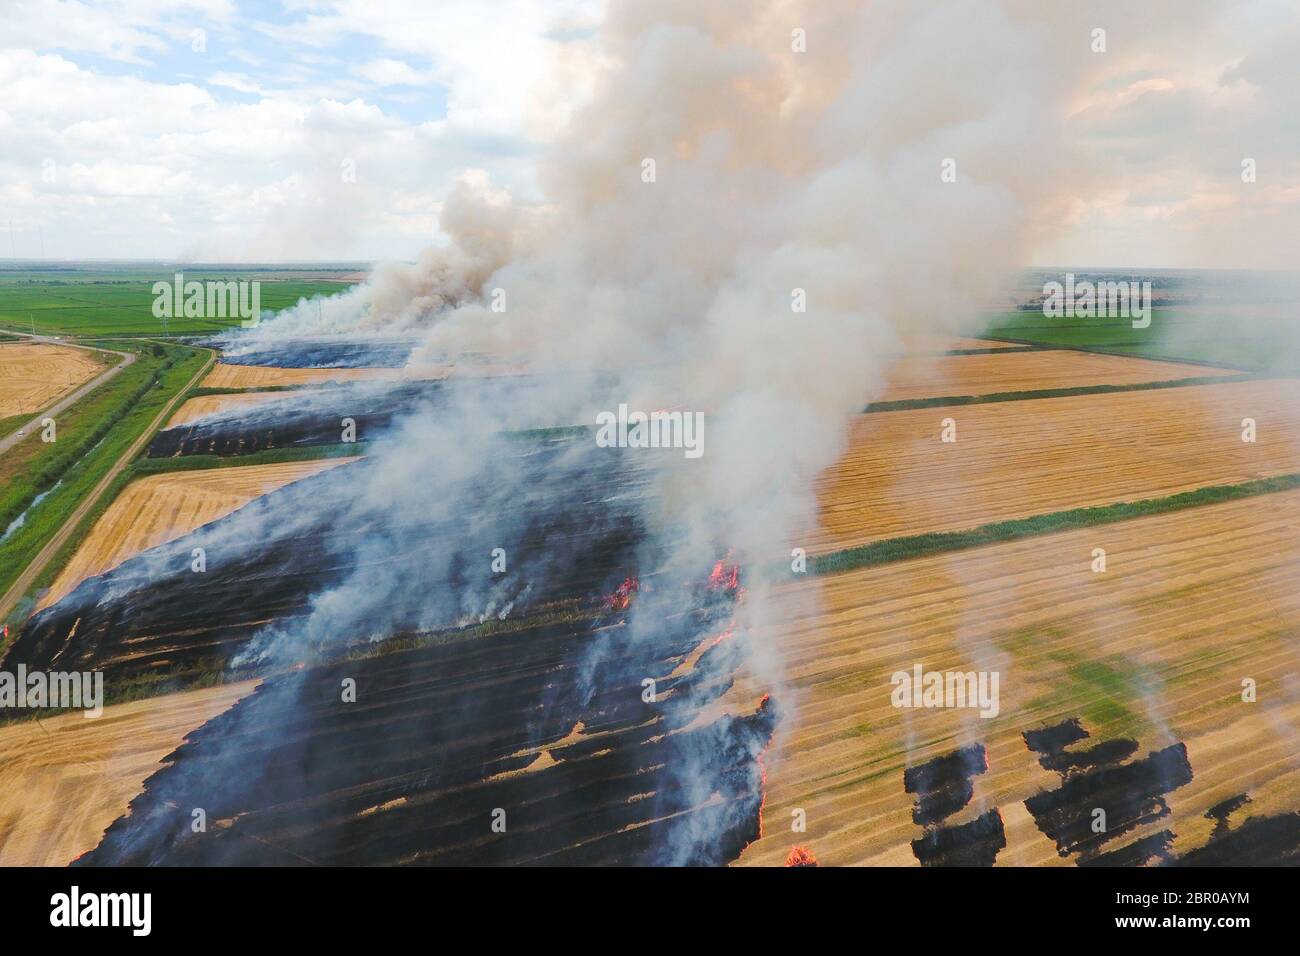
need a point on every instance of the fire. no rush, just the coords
(621, 599)
(729, 632)
(762, 770)
(724, 576)
(801, 856)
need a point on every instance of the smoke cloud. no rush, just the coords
(759, 202)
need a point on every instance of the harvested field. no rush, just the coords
(66, 778)
(925, 376)
(160, 508)
(265, 376)
(32, 375)
(1152, 651)
(225, 375)
(201, 405)
(1019, 458)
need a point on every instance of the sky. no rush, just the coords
(307, 130)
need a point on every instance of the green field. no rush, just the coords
(1250, 342)
(114, 301)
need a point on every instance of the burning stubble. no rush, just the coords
(775, 176)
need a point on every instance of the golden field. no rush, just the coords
(201, 405)
(929, 376)
(32, 375)
(1154, 648)
(263, 376)
(160, 508)
(66, 778)
(1020, 458)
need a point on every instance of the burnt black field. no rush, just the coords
(321, 352)
(464, 753)
(300, 418)
(307, 417)
(154, 615)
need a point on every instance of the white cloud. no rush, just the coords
(125, 30)
(386, 72)
(121, 166)
(154, 154)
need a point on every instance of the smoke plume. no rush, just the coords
(760, 202)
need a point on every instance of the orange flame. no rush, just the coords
(801, 856)
(729, 632)
(621, 599)
(762, 772)
(724, 576)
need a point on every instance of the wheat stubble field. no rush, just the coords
(68, 777)
(1019, 458)
(225, 375)
(925, 376)
(1155, 649)
(34, 374)
(201, 405)
(159, 508)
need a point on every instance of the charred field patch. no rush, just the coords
(545, 733)
(155, 615)
(323, 353)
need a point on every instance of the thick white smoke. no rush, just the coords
(734, 161)
(776, 169)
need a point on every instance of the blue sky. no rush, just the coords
(218, 129)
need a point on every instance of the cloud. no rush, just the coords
(386, 72)
(124, 30)
(413, 95)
